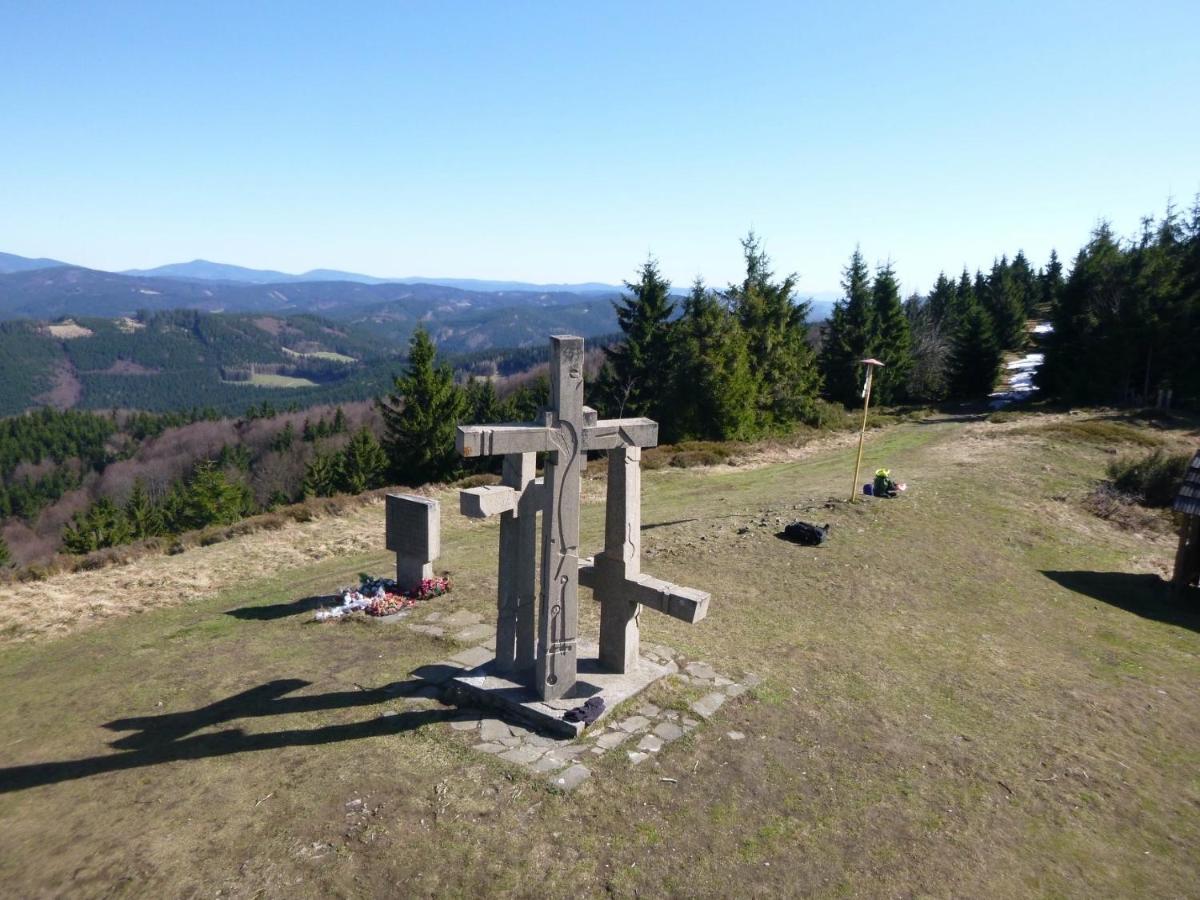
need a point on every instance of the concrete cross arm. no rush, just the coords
(489, 500)
(501, 440)
(611, 434)
(686, 604)
(494, 499)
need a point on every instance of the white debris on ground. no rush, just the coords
(1020, 374)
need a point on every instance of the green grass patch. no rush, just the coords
(1101, 432)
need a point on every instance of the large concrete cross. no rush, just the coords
(566, 434)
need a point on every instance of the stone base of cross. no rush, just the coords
(568, 432)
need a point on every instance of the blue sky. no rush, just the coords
(564, 142)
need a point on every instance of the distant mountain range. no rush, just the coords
(48, 288)
(204, 270)
(11, 263)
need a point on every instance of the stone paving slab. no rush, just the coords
(514, 700)
(556, 755)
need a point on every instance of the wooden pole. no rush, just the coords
(863, 433)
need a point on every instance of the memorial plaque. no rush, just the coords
(414, 526)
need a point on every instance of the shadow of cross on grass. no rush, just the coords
(164, 738)
(283, 610)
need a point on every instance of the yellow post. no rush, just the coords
(871, 364)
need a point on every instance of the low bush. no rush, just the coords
(828, 416)
(1152, 480)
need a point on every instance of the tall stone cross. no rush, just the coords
(566, 436)
(568, 431)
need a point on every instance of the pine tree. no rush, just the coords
(714, 389)
(1050, 284)
(1005, 305)
(362, 465)
(524, 404)
(339, 421)
(420, 416)
(1025, 283)
(211, 498)
(141, 515)
(284, 439)
(1079, 363)
(850, 334)
(637, 370)
(893, 344)
(975, 355)
(320, 477)
(483, 406)
(103, 525)
(5, 555)
(776, 330)
(941, 301)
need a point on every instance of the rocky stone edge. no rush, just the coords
(640, 731)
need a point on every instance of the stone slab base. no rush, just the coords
(513, 700)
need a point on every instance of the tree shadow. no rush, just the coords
(283, 610)
(1144, 595)
(164, 738)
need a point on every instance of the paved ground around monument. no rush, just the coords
(973, 691)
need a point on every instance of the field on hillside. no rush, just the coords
(977, 689)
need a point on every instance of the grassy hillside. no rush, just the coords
(976, 689)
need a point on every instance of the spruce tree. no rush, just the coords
(940, 303)
(1050, 284)
(212, 498)
(893, 343)
(975, 355)
(141, 515)
(483, 406)
(637, 370)
(420, 416)
(850, 334)
(714, 387)
(776, 330)
(362, 465)
(320, 477)
(1005, 305)
(1025, 283)
(103, 525)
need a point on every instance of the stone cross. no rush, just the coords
(615, 574)
(414, 526)
(566, 437)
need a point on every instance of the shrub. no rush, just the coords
(826, 416)
(1153, 480)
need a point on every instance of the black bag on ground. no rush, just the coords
(806, 534)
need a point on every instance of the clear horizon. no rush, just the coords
(563, 145)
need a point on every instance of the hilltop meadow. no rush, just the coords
(980, 687)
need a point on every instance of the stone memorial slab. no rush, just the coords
(414, 528)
